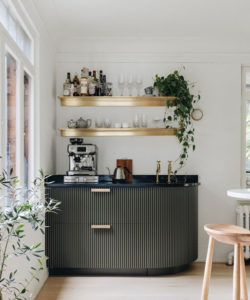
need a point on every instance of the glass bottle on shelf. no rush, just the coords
(90, 76)
(101, 83)
(99, 89)
(76, 84)
(76, 80)
(104, 83)
(96, 82)
(92, 84)
(101, 76)
(84, 82)
(67, 86)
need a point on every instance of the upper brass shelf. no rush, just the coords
(78, 132)
(114, 101)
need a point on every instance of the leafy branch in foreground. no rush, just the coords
(24, 208)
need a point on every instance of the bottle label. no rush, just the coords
(92, 89)
(84, 87)
(66, 89)
(72, 89)
(66, 92)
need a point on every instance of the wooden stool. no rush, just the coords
(233, 235)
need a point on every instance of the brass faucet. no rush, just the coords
(158, 170)
(169, 170)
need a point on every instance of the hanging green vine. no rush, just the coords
(175, 85)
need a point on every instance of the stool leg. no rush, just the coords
(236, 276)
(208, 269)
(243, 282)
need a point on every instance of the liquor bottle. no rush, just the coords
(99, 89)
(97, 85)
(94, 75)
(92, 85)
(104, 84)
(67, 86)
(101, 76)
(76, 85)
(84, 82)
(90, 76)
(95, 82)
(101, 83)
(68, 77)
(76, 80)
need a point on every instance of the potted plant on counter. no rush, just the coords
(176, 85)
(23, 209)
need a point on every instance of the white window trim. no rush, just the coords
(245, 95)
(8, 45)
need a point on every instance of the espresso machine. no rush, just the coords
(82, 162)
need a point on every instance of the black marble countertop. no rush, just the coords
(105, 181)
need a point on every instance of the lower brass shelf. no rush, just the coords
(74, 132)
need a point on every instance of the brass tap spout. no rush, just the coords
(169, 170)
(158, 170)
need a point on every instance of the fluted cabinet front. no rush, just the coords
(149, 228)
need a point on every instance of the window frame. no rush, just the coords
(245, 95)
(8, 45)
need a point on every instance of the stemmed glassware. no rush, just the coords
(136, 121)
(130, 85)
(138, 83)
(144, 121)
(121, 84)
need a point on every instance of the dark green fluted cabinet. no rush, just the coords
(150, 230)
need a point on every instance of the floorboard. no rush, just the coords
(182, 286)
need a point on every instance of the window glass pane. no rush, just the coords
(248, 137)
(15, 29)
(27, 129)
(10, 118)
(3, 14)
(20, 37)
(26, 44)
(12, 26)
(248, 81)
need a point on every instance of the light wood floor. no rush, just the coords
(182, 286)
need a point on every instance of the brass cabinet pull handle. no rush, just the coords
(100, 226)
(93, 190)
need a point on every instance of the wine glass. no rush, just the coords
(130, 85)
(144, 121)
(121, 84)
(138, 83)
(98, 123)
(136, 121)
(107, 123)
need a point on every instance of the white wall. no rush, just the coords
(47, 112)
(217, 75)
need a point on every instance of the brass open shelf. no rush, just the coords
(114, 101)
(74, 132)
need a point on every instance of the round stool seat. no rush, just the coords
(229, 234)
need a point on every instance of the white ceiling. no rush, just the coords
(145, 18)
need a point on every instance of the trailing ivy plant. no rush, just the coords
(23, 209)
(176, 85)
